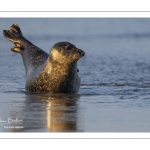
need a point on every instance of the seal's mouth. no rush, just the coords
(78, 53)
(82, 53)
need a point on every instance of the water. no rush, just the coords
(115, 91)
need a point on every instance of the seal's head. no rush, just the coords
(65, 53)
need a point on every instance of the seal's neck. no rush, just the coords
(67, 68)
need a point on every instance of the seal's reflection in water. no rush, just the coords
(62, 113)
(51, 112)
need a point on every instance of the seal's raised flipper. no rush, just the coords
(15, 36)
(32, 56)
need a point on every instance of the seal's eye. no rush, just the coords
(68, 48)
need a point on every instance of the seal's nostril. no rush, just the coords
(83, 53)
(79, 50)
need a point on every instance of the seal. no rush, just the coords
(56, 72)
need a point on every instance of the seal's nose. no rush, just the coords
(81, 52)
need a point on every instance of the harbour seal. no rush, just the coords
(56, 72)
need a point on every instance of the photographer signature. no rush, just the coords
(11, 121)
